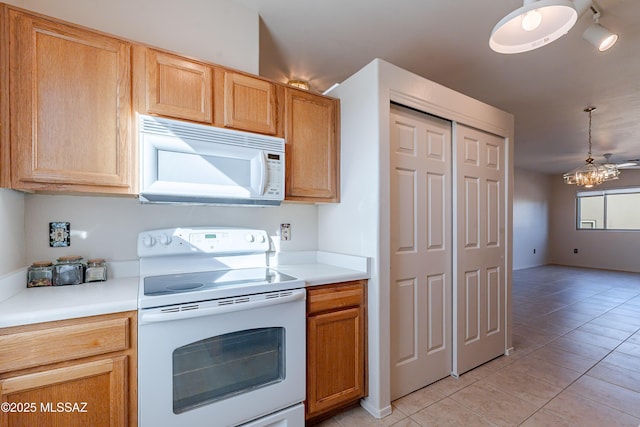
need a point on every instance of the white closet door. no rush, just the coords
(479, 292)
(420, 258)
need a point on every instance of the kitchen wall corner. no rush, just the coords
(13, 248)
(531, 211)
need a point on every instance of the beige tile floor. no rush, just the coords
(576, 334)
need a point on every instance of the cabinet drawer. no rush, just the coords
(336, 296)
(56, 344)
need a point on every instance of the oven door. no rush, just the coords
(221, 362)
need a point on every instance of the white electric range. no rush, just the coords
(221, 336)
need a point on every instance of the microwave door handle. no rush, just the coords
(264, 172)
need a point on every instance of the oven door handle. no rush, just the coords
(231, 305)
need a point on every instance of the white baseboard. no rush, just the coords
(373, 410)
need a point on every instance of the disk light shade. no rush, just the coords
(535, 24)
(600, 37)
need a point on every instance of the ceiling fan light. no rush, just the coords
(556, 18)
(600, 37)
(591, 174)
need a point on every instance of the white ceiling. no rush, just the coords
(446, 41)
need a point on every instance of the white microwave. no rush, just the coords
(182, 162)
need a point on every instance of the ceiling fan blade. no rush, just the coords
(629, 164)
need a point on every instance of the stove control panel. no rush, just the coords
(202, 240)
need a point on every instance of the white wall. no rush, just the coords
(13, 247)
(359, 225)
(219, 31)
(353, 226)
(107, 227)
(530, 218)
(613, 250)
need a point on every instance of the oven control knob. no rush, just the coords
(164, 239)
(148, 241)
(250, 238)
(261, 238)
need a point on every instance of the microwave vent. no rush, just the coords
(197, 132)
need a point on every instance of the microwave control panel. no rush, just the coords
(275, 167)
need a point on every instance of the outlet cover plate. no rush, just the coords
(285, 232)
(59, 234)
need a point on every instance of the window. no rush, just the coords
(615, 209)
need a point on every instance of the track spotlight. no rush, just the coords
(599, 36)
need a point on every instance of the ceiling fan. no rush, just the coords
(624, 164)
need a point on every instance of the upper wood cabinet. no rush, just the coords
(312, 149)
(250, 103)
(5, 152)
(69, 108)
(178, 87)
(174, 86)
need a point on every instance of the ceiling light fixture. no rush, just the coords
(300, 84)
(598, 35)
(535, 24)
(592, 173)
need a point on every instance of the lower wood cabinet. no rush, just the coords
(78, 372)
(336, 338)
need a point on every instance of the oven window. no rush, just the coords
(226, 365)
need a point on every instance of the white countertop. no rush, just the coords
(35, 305)
(321, 268)
(321, 274)
(20, 305)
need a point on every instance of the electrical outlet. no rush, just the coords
(285, 232)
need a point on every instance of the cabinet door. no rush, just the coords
(86, 394)
(70, 108)
(5, 152)
(312, 147)
(249, 103)
(177, 87)
(335, 365)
